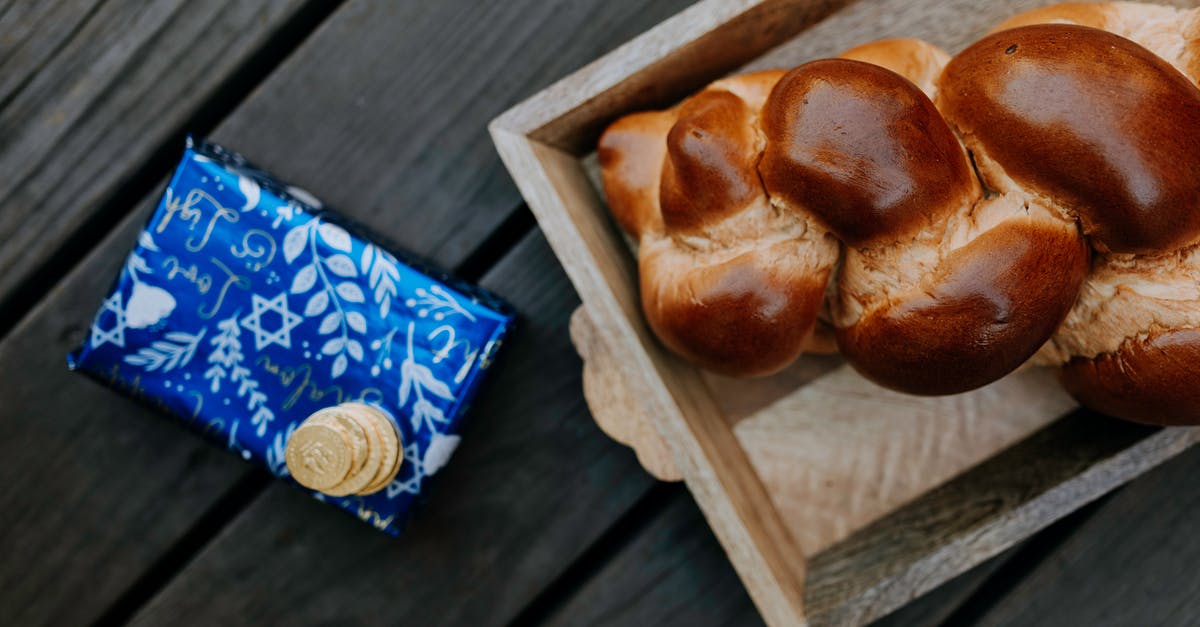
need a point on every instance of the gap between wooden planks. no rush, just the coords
(70, 133)
(118, 485)
(94, 102)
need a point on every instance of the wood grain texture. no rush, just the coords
(673, 572)
(658, 68)
(713, 464)
(545, 142)
(89, 90)
(841, 452)
(937, 608)
(614, 403)
(533, 483)
(950, 24)
(834, 451)
(95, 487)
(384, 110)
(982, 512)
(140, 481)
(32, 33)
(1133, 562)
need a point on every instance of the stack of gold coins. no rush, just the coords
(348, 449)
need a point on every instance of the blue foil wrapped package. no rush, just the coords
(245, 307)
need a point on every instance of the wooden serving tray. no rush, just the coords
(837, 501)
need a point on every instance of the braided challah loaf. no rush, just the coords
(949, 217)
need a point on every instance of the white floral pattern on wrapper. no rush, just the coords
(334, 272)
(226, 358)
(148, 304)
(246, 368)
(418, 380)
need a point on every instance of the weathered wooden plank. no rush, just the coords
(88, 92)
(937, 607)
(387, 110)
(30, 34)
(534, 482)
(1133, 562)
(95, 487)
(673, 572)
(983, 511)
(107, 468)
(83, 102)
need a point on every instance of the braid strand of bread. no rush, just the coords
(1035, 196)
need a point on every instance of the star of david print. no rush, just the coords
(288, 321)
(116, 334)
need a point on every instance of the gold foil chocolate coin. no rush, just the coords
(318, 456)
(354, 433)
(348, 449)
(358, 479)
(392, 454)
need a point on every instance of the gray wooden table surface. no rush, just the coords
(111, 514)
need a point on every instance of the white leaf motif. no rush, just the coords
(304, 196)
(425, 377)
(138, 264)
(428, 412)
(330, 323)
(335, 236)
(249, 189)
(294, 241)
(304, 279)
(316, 304)
(333, 346)
(341, 265)
(339, 366)
(355, 349)
(260, 420)
(367, 256)
(167, 355)
(351, 292)
(439, 451)
(357, 321)
(406, 379)
(145, 240)
(216, 373)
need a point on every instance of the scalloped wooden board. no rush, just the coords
(834, 451)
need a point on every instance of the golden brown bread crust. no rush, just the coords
(747, 316)
(919, 61)
(1095, 15)
(1114, 146)
(737, 194)
(1127, 334)
(866, 152)
(991, 304)
(1168, 32)
(1129, 296)
(631, 153)
(1154, 380)
(1129, 345)
(861, 148)
(709, 171)
(726, 281)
